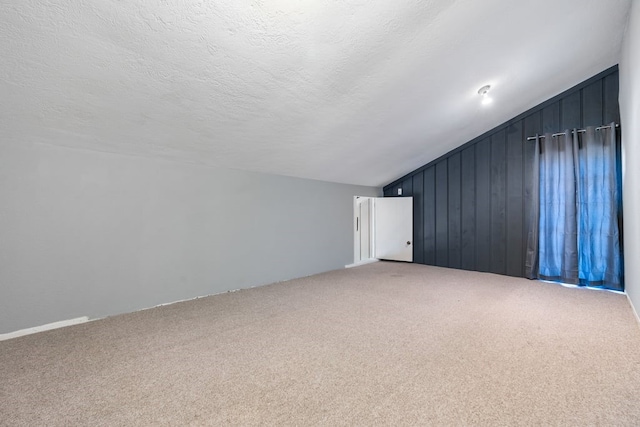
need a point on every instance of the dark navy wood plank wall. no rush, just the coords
(471, 206)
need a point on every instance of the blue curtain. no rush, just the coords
(600, 260)
(574, 235)
(558, 224)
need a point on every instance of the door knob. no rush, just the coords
(408, 242)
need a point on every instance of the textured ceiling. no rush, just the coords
(353, 91)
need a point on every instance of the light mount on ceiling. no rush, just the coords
(484, 93)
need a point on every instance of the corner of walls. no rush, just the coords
(630, 122)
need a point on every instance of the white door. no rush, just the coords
(393, 228)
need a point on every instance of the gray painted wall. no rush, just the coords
(93, 234)
(630, 123)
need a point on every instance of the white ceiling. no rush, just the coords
(352, 91)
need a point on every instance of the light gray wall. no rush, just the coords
(93, 234)
(630, 123)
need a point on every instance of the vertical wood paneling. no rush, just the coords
(551, 118)
(418, 221)
(442, 217)
(483, 205)
(592, 100)
(407, 187)
(532, 125)
(515, 191)
(611, 111)
(498, 203)
(429, 208)
(468, 208)
(472, 207)
(455, 255)
(571, 108)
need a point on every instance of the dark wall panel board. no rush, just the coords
(468, 208)
(551, 118)
(483, 205)
(515, 172)
(592, 112)
(611, 90)
(472, 206)
(498, 203)
(429, 209)
(442, 215)
(570, 112)
(531, 127)
(418, 222)
(407, 187)
(455, 255)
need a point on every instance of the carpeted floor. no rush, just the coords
(382, 344)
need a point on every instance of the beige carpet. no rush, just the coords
(383, 344)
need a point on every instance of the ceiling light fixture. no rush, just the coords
(484, 92)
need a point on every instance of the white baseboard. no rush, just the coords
(633, 308)
(76, 321)
(367, 261)
(47, 327)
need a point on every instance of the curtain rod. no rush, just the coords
(577, 130)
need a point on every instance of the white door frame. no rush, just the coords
(357, 228)
(358, 224)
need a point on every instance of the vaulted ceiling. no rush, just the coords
(352, 91)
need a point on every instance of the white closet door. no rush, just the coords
(393, 227)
